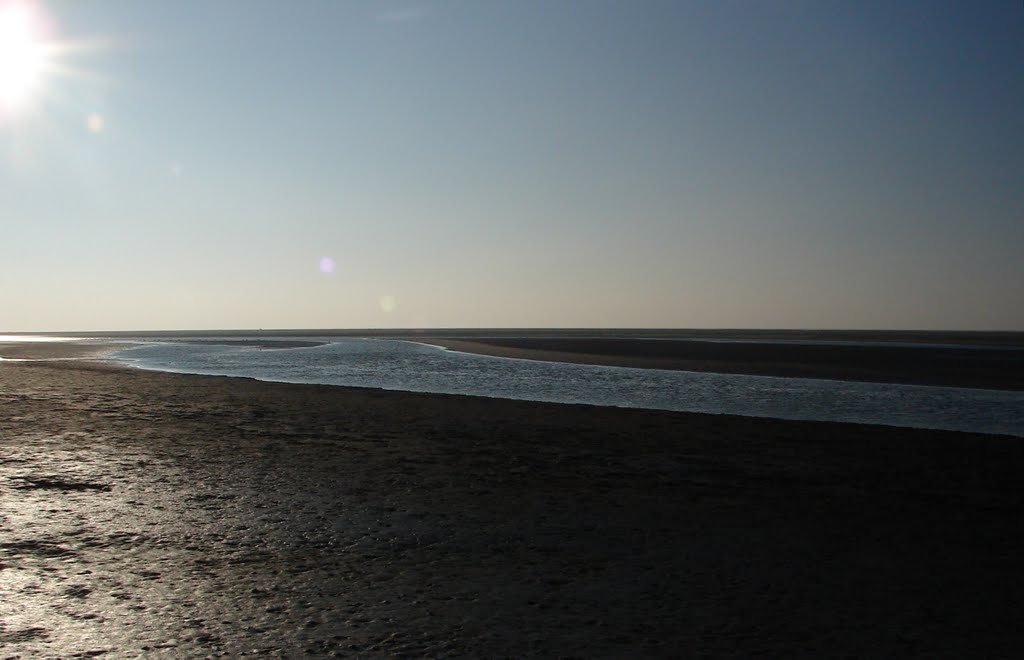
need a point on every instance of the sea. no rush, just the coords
(420, 367)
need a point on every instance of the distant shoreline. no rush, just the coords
(980, 360)
(970, 337)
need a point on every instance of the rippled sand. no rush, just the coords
(145, 513)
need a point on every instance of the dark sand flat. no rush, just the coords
(145, 512)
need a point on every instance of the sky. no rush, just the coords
(484, 163)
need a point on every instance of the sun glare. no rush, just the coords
(23, 55)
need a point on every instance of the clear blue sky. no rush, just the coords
(811, 164)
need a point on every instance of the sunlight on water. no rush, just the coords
(34, 338)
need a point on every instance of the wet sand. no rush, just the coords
(958, 364)
(145, 513)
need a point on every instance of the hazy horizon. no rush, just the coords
(485, 164)
(738, 332)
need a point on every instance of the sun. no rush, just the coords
(23, 55)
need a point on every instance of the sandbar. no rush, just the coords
(994, 366)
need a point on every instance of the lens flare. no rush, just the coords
(326, 265)
(94, 123)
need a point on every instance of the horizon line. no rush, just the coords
(533, 329)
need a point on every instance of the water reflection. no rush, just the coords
(423, 368)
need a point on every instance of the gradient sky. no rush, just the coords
(258, 164)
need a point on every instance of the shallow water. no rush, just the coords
(400, 365)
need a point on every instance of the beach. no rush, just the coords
(155, 513)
